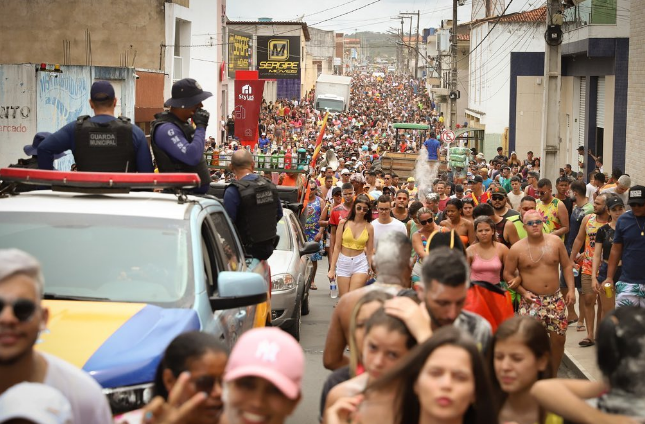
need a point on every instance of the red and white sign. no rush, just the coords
(248, 98)
(448, 136)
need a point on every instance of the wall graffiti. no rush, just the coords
(61, 100)
(14, 112)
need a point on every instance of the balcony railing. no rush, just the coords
(590, 12)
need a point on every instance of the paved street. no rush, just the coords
(314, 331)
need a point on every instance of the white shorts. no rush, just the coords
(346, 266)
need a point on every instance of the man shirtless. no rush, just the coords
(537, 258)
(394, 273)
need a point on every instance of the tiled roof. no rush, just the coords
(407, 39)
(535, 15)
(463, 37)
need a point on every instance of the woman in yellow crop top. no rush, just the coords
(351, 264)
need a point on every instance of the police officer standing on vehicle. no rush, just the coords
(177, 145)
(253, 205)
(101, 143)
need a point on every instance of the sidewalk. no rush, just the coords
(580, 360)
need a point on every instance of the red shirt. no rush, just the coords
(442, 203)
(481, 199)
(338, 213)
(532, 192)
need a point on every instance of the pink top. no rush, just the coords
(488, 270)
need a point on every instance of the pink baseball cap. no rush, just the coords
(268, 353)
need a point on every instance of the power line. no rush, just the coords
(330, 8)
(489, 31)
(347, 13)
(504, 84)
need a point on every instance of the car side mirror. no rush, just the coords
(309, 248)
(238, 289)
(294, 207)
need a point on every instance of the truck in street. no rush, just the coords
(333, 93)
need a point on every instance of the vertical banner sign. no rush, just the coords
(248, 98)
(239, 52)
(278, 57)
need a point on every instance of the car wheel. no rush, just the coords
(305, 301)
(294, 329)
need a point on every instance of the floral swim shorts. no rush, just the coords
(550, 309)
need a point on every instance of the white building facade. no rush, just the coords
(194, 50)
(489, 70)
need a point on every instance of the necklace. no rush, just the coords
(639, 226)
(531, 256)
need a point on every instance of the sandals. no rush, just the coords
(572, 321)
(313, 287)
(586, 342)
(581, 327)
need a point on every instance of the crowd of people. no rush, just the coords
(455, 296)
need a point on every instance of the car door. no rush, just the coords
(305, 266)
(227, 256)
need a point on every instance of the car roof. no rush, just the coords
(139, 204)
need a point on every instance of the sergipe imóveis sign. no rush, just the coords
(278, 57)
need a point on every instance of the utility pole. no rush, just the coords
(399, 45)
(406, 15)
(416, 56)
(416, 49)
(409, 43)
(453, 59)
(401, 63)
(550, 142)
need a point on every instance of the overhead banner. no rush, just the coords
(248, 99)
(239, 52)
(278, 57)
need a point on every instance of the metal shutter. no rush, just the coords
(600, 107)
(582, 111)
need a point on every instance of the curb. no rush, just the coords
(575, 366)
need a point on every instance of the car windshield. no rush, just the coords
(335, 105)
(285, 235)
(114, 258)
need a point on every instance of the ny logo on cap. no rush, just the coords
(267, 351)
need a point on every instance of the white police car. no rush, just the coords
(125, 272)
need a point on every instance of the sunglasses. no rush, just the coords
(498, 197)
(425, 221)
(533, 223)
(23, 309)
(362, 208)
(542, 193)
(205, 383)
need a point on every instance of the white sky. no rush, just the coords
(375, 17)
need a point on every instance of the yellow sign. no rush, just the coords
(278, 49)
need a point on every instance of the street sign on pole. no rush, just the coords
(448, 136)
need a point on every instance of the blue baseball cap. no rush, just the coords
(32, 149)
(102, 90)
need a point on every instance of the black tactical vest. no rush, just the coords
(257, 215)
(104, 147)
(165, 163)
